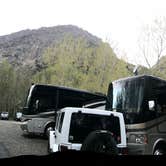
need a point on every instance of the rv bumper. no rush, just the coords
(136, 149)
(24, 127)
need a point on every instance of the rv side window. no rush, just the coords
(161, 104)
(61, 122)
(163, 109)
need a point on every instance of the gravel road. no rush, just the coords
(14, 143)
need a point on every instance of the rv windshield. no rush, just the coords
(127, 96)
(131, 97)
(29, 96)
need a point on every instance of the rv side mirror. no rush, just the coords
(37, 105)
(151, 105)
(25, 109)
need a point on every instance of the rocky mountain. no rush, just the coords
(25, 48)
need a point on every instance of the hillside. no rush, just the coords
(62, 55)
(25, 48)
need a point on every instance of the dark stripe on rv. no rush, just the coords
(43, 114)
(147, 127)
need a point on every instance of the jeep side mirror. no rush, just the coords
(151, 105)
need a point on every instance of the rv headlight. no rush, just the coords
(141, 139)
(138, 138)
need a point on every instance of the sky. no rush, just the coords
(115, 21)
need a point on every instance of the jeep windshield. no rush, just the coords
(83, 123)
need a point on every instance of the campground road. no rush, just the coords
(14, 143)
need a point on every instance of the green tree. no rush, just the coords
(13, 85)
(77, 63)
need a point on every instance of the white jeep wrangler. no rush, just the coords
(88, 130)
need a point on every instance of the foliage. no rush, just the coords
(77, 63)
(73, 62)
(159, 69)
(152, 42)
(12, 88)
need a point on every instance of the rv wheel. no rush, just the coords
(48, 128)
(159, 152)
(100, 141)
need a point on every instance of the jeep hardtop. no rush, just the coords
(88, 130)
